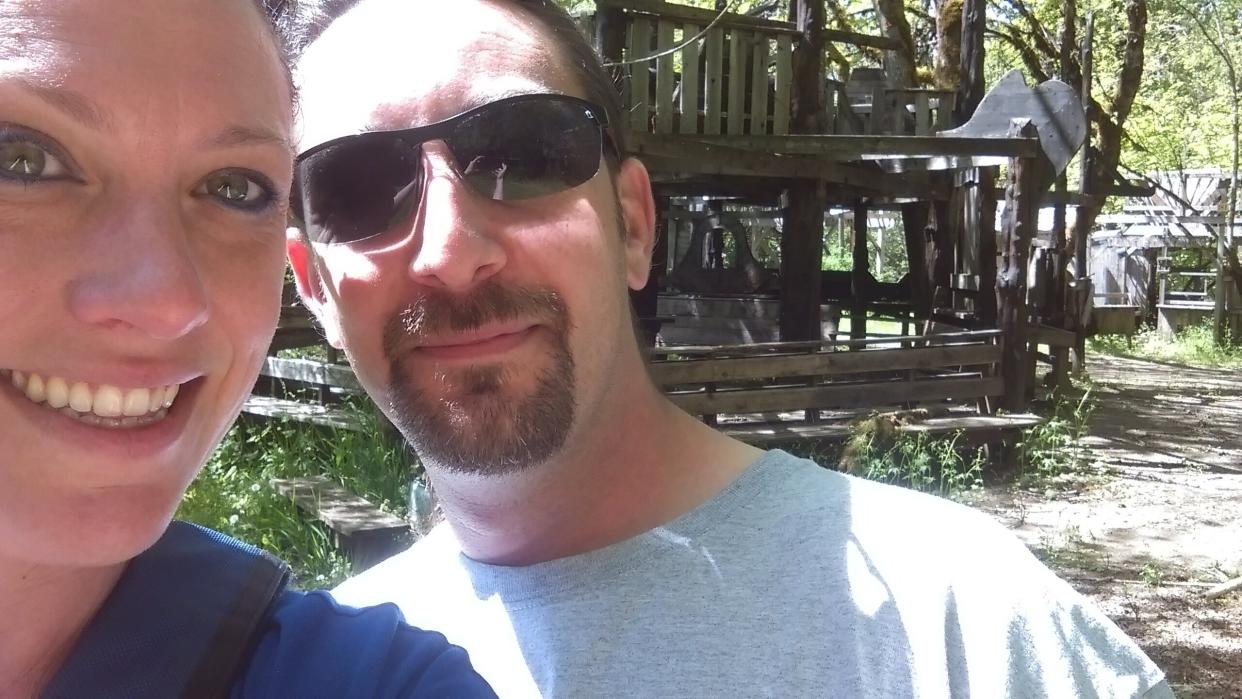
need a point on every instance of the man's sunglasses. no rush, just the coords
(355, 187)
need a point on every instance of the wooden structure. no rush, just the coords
(774, 392)
(737, 110)
(1155, 259)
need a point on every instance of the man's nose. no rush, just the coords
(143, 273)
(457, 245)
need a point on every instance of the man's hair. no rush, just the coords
(302, 22)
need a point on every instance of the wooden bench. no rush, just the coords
(775, 392)
(366, 534)
(279, 377)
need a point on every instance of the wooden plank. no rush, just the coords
(365, 533)
(277, 409)
(945, 106)
(784, 82)
(1053, 337)
(691, 80)
(769, 433)
(849, 395)
(699, 15)
(922, 114)
(739, 49)
(331, 503)
(703, 16)
(713, 86)
(665, 78)
(640, 74)
(876, 338)
(870, 147)
(681, 372)
(312, 372)
(759, 87)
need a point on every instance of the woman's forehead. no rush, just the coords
(144, 59)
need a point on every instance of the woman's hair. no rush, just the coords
(301, 22)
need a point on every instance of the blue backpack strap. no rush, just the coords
(181, 621)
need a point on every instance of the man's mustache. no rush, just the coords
(435, 314)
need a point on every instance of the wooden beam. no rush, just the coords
(860, 274)
(846, 395)
(874, 147)
(802, 241)
(312, 372)
(1020, 224)
(985, 301)
(824, 364)
(914, 218)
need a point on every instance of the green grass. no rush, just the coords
(233, 494)
(1054, 448)
(939, 465)
(1194, 346)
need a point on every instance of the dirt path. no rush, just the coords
(1156, 518)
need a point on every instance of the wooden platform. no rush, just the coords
(366, 534)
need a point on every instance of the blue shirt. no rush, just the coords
(202, 615)
(313, 647)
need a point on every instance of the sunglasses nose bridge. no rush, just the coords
(457, 244)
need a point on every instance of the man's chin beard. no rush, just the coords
(482, 429)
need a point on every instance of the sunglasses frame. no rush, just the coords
(439, 131)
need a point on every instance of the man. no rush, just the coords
(468, 235)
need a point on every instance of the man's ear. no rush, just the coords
(310, 285)
(638, 215)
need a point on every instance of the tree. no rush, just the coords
(1226, 253)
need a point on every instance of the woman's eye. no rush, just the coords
(237, 189)
(29, 162)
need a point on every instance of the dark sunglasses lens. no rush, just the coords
(527, 149)
(356, 189)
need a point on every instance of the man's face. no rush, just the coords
(488, 331)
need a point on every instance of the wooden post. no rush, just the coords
(610, 41)
(1021, 218)
(974, 22)
(859, 275)
(802, 241)
(914, 220)
(940, 255)
(1082, 284)
(985, 302)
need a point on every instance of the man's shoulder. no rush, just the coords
(429, 568)
(312, 642)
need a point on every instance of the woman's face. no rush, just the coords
(144, 172)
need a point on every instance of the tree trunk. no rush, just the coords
(949, 45)
(898, 64)
(1107, 155)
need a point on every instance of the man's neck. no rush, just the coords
(43, 610)
(637, 464)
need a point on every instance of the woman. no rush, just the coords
(144, 174)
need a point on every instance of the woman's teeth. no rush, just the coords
(99, 405)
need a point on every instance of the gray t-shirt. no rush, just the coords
(795, 581)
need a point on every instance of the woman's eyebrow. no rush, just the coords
(75, 105)
(238, 135)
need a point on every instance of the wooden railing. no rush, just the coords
(736, 78)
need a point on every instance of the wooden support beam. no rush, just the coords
(914, 219)
(985, 302)
(875, 147)
(1020, 222)
(860, 274)
(1082, 283)
(802, 242)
